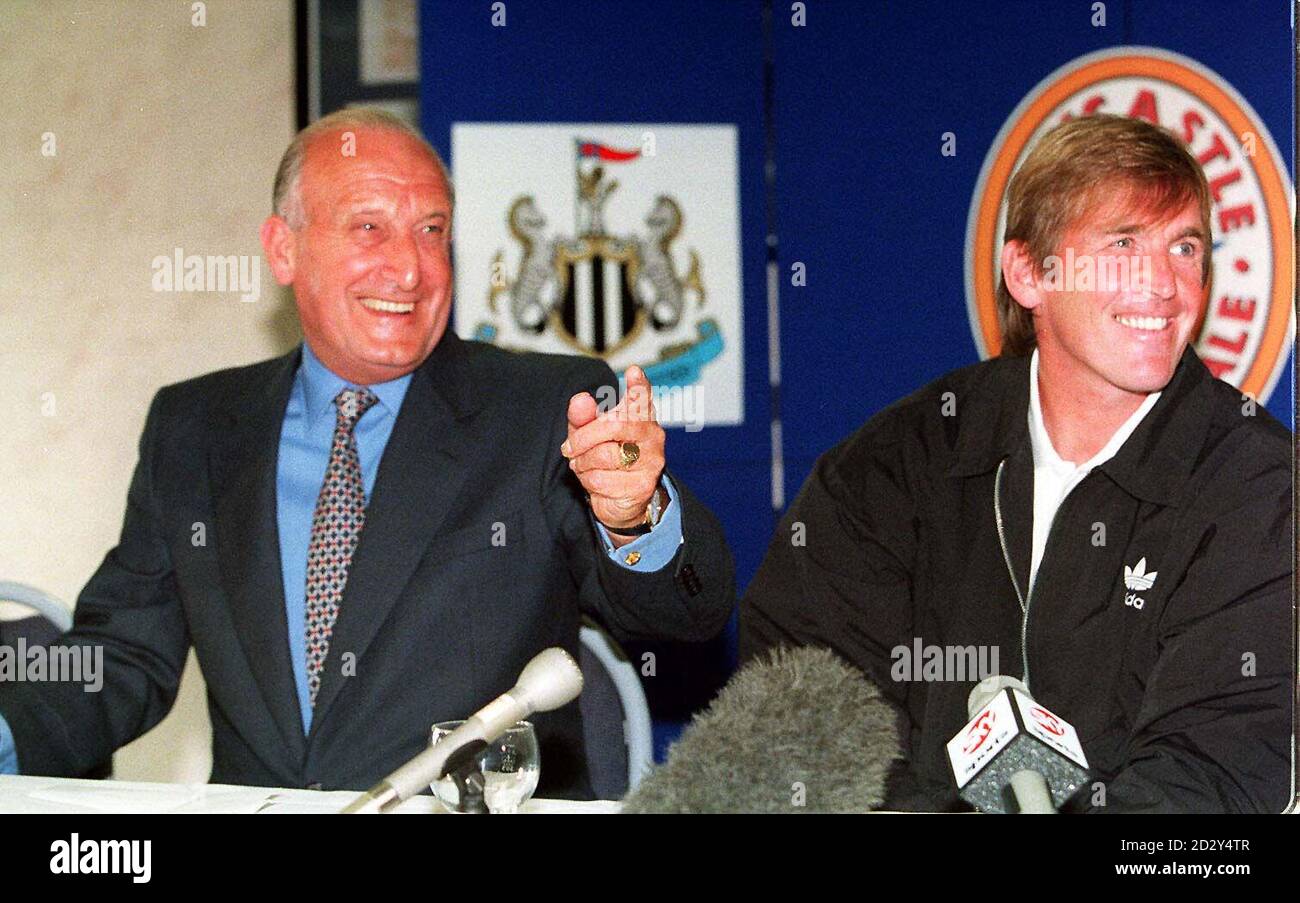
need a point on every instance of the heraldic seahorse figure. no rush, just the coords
(667, 292)
(527, 305)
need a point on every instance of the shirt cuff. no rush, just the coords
(8, 752)
(652, 551)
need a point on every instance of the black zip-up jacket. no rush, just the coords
(1182, 702)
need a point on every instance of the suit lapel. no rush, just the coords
(242, 465)
(422, 470)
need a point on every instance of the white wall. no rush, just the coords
(165, 135)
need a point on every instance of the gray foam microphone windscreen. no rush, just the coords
(797, 731)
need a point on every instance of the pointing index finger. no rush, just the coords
(638, 403)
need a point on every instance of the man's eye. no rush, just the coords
(369, 227)
(1123, 243)
(432, 229)
(1185, 249)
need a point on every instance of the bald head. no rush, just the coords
(340, 128)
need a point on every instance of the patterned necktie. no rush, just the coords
(335, 527)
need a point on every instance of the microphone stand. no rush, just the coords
(1031, 794)
(463, 768)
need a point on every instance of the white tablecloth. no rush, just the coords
(26, 794)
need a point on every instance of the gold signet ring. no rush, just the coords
(628, 454)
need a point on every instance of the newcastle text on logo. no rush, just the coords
(617, 242)
(1249, 320)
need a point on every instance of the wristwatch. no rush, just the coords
(654, 512)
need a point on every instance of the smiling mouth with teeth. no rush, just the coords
(388, 307)
(1146, 324)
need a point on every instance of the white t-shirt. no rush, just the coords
(1053, 477)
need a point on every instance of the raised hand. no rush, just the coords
(618, 455)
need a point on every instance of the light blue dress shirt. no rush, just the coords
(305, 438)
(8, 754)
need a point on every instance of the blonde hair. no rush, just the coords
(286, 195)
(1077, 165)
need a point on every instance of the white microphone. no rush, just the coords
(1014, 755)
(552, 679)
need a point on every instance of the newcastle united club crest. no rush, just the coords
(603, 288)
(620, 241)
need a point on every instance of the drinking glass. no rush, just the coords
(511, 766)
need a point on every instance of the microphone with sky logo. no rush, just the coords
(1014, 755)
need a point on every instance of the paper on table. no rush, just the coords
(21, 794)
(98, 796)
(306, 802)
(97, 799)
(177, 799)
(225, 801)
(16, 802)
(537, 806)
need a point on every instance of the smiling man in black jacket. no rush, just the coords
(1092, 505)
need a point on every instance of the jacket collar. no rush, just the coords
(1152, 465)
(448, 374)
(1157, 460)
(994, 419)
(320, 386)
(445, 371)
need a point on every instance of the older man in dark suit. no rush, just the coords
(376, 531)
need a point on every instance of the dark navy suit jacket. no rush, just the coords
(438, 617)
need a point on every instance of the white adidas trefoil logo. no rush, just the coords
(1137, 578)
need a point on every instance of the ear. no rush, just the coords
(1023, 281)
(280, 245)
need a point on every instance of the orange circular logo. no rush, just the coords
(1249, 322)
